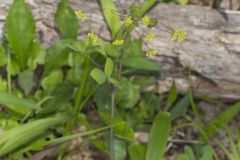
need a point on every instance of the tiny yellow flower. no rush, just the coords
(151, 52)
(92, 36)
(178, 35)
(118, 42)
(149, 36)
(80, 14)
(128, 20)
(146, 20)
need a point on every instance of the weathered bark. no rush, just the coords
(211, 50)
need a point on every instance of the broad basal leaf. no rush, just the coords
(66, 20)
(20, 31)
(159, 136)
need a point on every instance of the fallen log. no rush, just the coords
(211, 50)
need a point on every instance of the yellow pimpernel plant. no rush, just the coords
(81, 14)
(146, 20)
(178, 35)
(118, 42)
(149, 36)
(92, 36)
(128, 20)
(151, 52)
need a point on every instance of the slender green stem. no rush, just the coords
(122, 54)
(112, 122)
(9, 81)
(113, 95)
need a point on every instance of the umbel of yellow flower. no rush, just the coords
(92, 36)
(80, 14)
(118, 42)
(128, 20)
(149, 36)
(146, 20)
(178, 35)
(151, 52)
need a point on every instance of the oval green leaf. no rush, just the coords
(98, 75)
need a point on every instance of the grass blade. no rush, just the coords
(18, 105)
(222, 119)
(21, 135)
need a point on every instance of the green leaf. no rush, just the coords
(188, 150)
(182, 2)
(115, 82)
(172, 96)
(128, 95)
(109, 66)
(25, 81)
(57, 56)
(111, 50)
(37, 56)
(134, 48)
(113, 21)
(208, 153)
(28, 132)
(66, 20)
(143, 80)
(3, 85)
(21, 106)
(222, 119)
(147, 5)
(20, 31)
(119, 149)
(3, 56)
(159, 136)
(59, 98)
(102, 98)
(180, 108)
(52, 80)
(137, 151)
(12, 66)
(140, 63)
(77, 135)
(122, 129)
(153, 22)
(183, 157)
(135, 11)
(98, 75)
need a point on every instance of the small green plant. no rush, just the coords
(233, 151)
(46, 93)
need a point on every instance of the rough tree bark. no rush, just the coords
(211, 50)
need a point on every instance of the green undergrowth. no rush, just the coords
(45, 93)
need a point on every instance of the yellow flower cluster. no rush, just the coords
(146, 20)
(118, 42)
(92, 36)
(151, 52)
(178, 35)
(128, 21)
(80, 14)
(149, 36)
